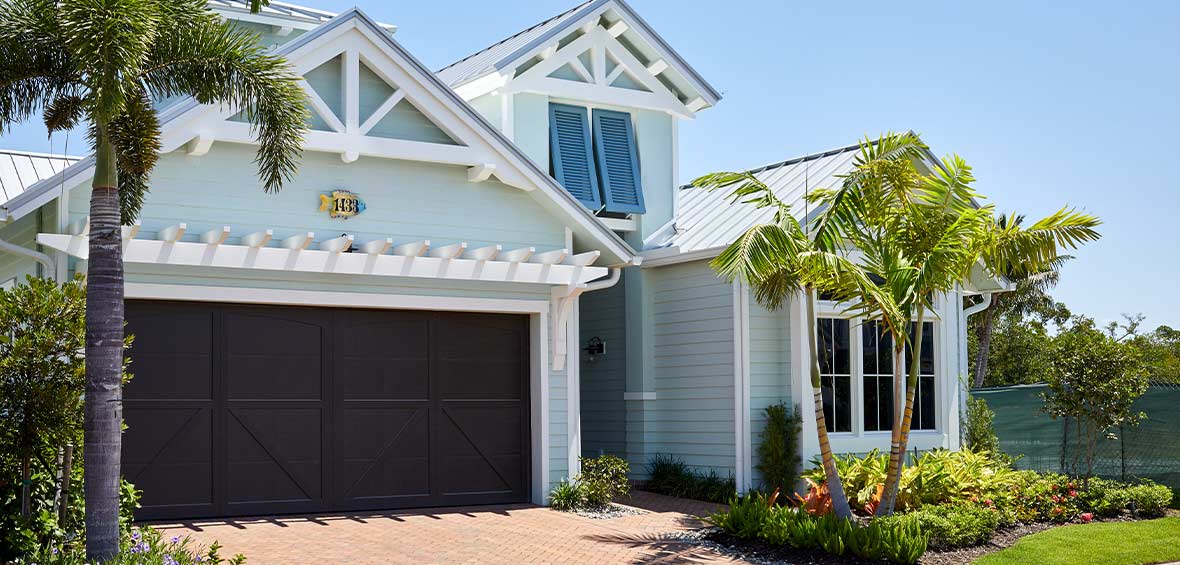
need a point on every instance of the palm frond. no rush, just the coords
(217, 63)
(745, 188)
(107, 42)
(135, 133)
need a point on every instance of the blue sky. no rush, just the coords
(1052, 103)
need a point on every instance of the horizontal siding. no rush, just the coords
(405, 200)
(692, 359)
(770, 370)
(22, 232)
(604, 380)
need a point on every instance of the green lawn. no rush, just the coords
(1111, 543)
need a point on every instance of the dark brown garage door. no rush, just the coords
(242, 410)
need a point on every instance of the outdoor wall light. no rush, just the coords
(594, 348)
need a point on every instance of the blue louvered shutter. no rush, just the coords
(570, 153)
(618, 162)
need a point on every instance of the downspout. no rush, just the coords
(41, 258)
(966, 314)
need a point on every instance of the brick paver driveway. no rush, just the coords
(482, 534)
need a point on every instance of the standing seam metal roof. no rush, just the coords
(280, 9)
(20, 170)
(708, 221)
(485, 60)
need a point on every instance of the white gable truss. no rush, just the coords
(194, 128)
(358, 44)
(606, 54)
(596, 67)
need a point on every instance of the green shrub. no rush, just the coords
(746, 517)
(979, 433)
(601, 481)
(1150, 499)
(1109, 498)
(959, 525)
(902, 539)
(669, 475)
(778, 452)
(144, 546)
(567, 496)
(603, 478)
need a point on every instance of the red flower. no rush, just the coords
(988, 502)
(1087, 517)
(1056, 499)
(1073, 492)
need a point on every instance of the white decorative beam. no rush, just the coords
(589, 26)
(337, 244)
(382, 110)
(658, 66)
(480, 173)
(412, 249)
(128, 232)
(282, 31)
(321, 107)
(299, 241)
(215, 236)
(549, 257)
(225, 256)
(618, 28)
(350, 156)
(614, 74)
(583, 259)
(548, 51)
(172, 234)
(200, 144)
(518, 255)
(377, 246)
(449, 251)
(696, 104)
(257, 239)
(486, 253)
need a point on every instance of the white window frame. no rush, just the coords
(830, 309)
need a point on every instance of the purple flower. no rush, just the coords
(168, 560)
(135, 535)
(175, 539)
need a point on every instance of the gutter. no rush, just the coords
(43, 259)
(977, 308)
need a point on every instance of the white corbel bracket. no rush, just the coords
(480, 173)
(562, 304)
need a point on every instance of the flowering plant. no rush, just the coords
(141, 546)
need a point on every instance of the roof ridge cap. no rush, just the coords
(517, 34)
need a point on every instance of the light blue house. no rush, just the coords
(526, 282)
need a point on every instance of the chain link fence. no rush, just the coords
(1150, 450)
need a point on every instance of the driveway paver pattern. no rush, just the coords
(478, 534)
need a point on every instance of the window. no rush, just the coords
(594, 156)
(835, 369)
(877, 371)
(924, 411)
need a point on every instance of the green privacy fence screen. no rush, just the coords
(1150, 450)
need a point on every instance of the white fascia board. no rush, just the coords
(634, 22)
(662, 258)
(44, 191)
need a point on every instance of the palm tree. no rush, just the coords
(1032, 286)
(921, 235)
(780, 261)
(101, 64)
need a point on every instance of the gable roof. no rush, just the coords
(512, 50)
(21, 169)
(177, 118)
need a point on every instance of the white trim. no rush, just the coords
(298, 258)
(620, 224)
(675, 257)
(741, 385)
(639, 396)
(538, 337)
(573, 401)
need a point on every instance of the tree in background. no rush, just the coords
(1093, 379)
(102, 64)
(779, 448)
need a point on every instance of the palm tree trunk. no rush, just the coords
(831, 476)
(103, 419)
(885, 506)
(902, 431)
(985, 342)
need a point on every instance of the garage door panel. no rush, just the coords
(382, 357)
(168, 454)
(176, 345)
(273, 454)
(383, 452)
(273, 357)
